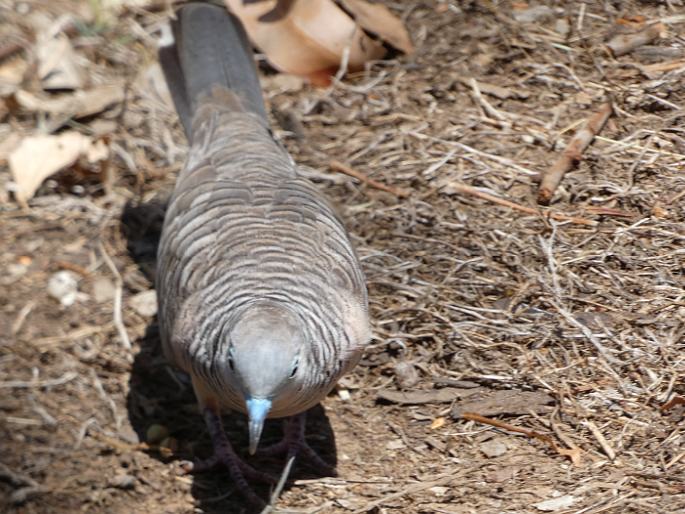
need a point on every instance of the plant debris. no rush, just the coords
(479, 296)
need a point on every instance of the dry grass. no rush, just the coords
(464, 293)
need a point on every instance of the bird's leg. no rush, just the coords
(225, 455)
(294, 444)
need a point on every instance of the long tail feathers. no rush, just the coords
(210, 49)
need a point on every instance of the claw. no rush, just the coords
(225, 456)
(294, 444)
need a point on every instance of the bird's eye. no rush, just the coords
(294, 372)
(230, 359)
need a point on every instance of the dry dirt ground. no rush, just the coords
(573, 331)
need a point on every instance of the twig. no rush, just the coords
(676, 197)
(676, 400)
(414, 488)
(343, 168)
(496, 158)
(279, 486)
(484, 103)
(14, 478)
(572, 155)
(503, 93)
(626, 43)
(661, 67)
(118, 294)
(25, 384)
(674, 460)
(463, 188)
(73, 267)
(590, 336)
(26, 487)
(573, 454)
(21, 317)
(609, 211)
(608, 450)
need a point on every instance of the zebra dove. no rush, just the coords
(262, 300)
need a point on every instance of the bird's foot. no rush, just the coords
(225, 456)
(294, 444)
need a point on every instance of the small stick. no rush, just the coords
(279, 487)
(463, 188)
(411, 489)
(118, 294)
(626, 43)
(608, 450)
(484, 103)
(500, 92)
(661, 67)
(676, 400)
(572, 155)
(73, 267)
(573, 453)
(343, 168)
(676, 197)
(609, 211)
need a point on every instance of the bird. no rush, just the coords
(262, 297)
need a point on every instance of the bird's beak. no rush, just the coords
(257, 409)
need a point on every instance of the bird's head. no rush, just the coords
(266, 343)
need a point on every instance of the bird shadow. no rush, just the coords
(162, 408)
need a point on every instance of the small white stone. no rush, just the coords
(144, 303)
(562, 502)
(103, 289)
(63, 286)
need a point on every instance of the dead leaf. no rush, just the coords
(511, 403)
(379, 20)
(8, 145)
(38, 157)
(80, 104)
(676, 400)
(574, 454)
(438, 423)
(635, 21)
(57, 62)
(309, 38)
(446, 395)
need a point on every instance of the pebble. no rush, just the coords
(144, 303)
(493, 448)
(406, 375)
(103, 289)
(124, 482)
(63, 286)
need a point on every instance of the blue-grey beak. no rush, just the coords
(257, 409)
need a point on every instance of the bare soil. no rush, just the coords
(573, 331)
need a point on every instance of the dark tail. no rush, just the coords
(210, 49)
